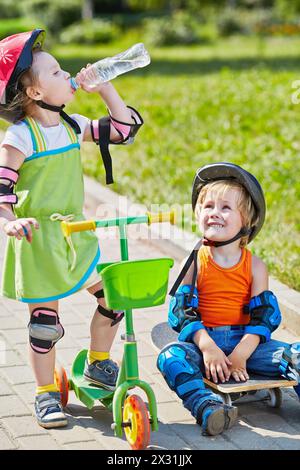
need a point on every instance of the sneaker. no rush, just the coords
(216, 417)
(48, 410)
(102, 373)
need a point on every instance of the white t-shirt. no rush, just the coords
(18, 135)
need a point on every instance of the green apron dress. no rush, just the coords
(50, 189)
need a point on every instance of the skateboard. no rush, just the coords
(231, 391)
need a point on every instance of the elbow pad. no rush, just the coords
(10, 176)
(100, 130)
(265, 315)
(183, 316)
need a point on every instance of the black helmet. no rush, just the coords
(224, 170)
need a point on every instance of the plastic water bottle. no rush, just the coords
(109, 68)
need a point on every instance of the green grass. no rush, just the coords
(227, 101)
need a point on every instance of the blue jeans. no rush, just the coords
(264, 361)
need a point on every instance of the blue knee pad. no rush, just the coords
(180, 372)
(290, 362)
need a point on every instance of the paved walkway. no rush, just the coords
(259, 426)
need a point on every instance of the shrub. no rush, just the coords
(55, 15)
(243, 21)
(180, 28)
(9, 9)
(90, 32)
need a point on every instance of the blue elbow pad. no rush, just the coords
(189, 330)
(183, 311)
(265, 315)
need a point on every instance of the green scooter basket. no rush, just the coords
(136, 284)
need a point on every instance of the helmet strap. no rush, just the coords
(59, 109)
(242, 233)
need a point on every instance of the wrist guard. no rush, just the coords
(265, 315)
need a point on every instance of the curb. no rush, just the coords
(180, 244)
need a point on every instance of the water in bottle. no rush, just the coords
(109, 68)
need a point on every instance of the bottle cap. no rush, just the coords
(73, 83)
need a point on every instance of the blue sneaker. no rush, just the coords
(102, 373)
(216, 417)
(48, 410)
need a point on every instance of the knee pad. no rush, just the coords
(180, 372)
(115, 316)
(45, 329)
(290, 362)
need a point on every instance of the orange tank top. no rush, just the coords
(222, 292)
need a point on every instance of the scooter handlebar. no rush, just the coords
(160, 217)
(70, 227)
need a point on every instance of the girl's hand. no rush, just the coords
(238, 368)
(21, 228)
(84, 76)
(216, 364)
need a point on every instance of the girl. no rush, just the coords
(223, 310)
(41, 184)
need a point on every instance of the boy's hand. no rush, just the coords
(20, 228)
(86, 75)
(216, 364)
(238, 368)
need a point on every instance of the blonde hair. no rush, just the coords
(244, 202)
(22, 105)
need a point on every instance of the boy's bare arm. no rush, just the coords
(215, 361)
(260, 282)
(249, 342)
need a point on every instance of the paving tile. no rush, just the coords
(5, 441)
(87, 445)
(11, 405)
(23, 426)
(26, 392)
(38, 443)
(5, 389)
(11, 358)
(18, 374)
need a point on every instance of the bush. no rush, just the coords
(90, 32)
(180, 28)
(9, 9)
(243, 21)
(55, 15)
(15, 26)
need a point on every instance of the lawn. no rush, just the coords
(226, 101)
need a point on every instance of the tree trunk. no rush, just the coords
(87, 10)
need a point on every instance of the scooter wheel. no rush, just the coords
(61, 380)
(135, 415)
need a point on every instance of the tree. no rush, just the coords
(87, 11)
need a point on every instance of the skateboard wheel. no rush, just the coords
(226, 398)
(136, 413)
(275, 397)
(61, 380)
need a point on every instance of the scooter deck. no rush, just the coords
(85, 391)
(162, 334)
